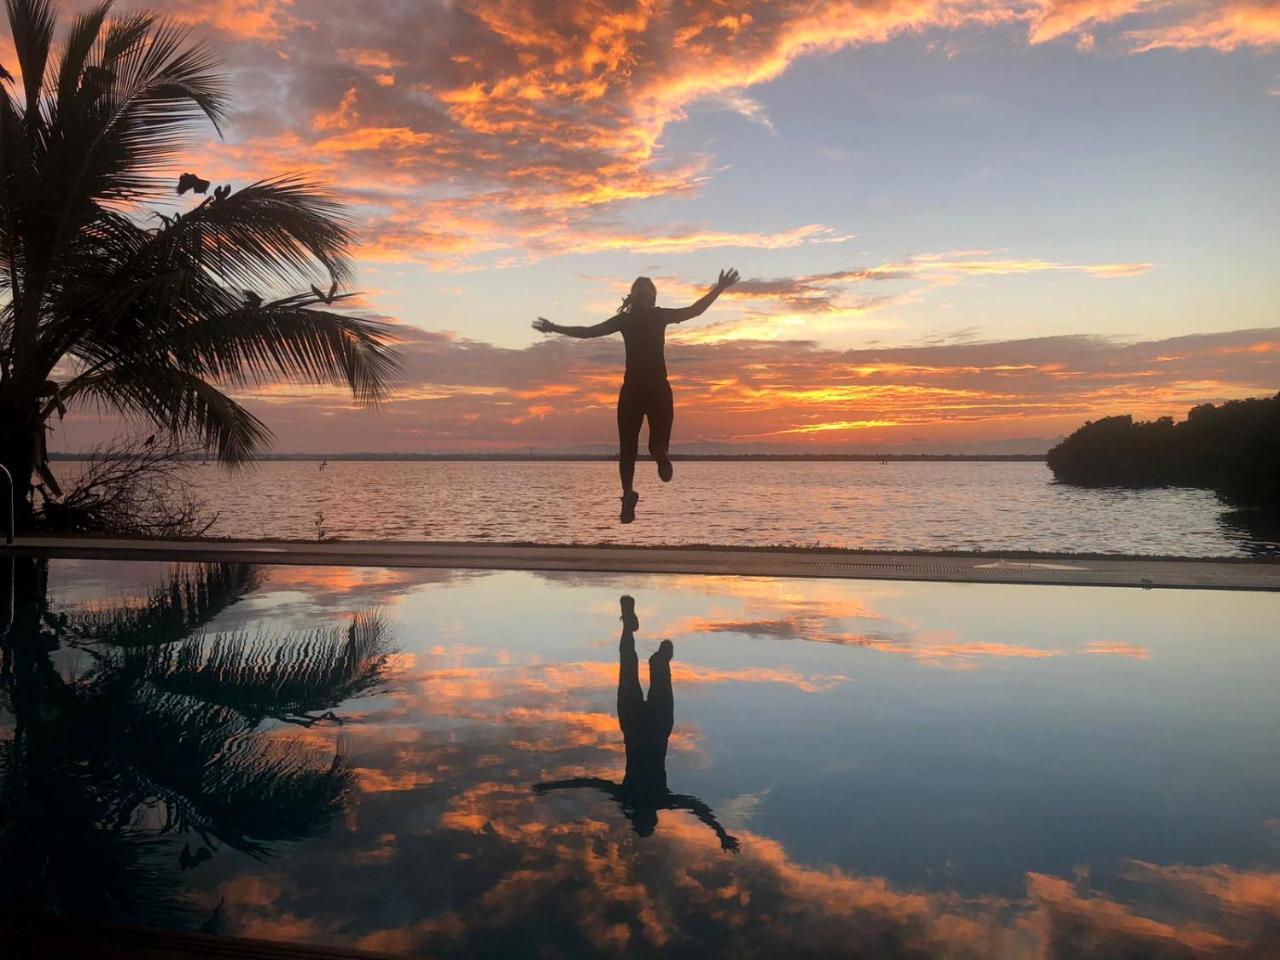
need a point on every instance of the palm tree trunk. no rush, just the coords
(17, 422)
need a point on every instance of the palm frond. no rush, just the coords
(296, 343)
(179, 402)
(177, 296)
(268, 234)
(84, 34)
(123, 34)
(203, 764)
(131, 111)
(189, 599)
(292, 678)
(163, 72)
(31, 23)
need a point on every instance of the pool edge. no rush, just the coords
(1013, 568)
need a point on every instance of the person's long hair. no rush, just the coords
(628, 302)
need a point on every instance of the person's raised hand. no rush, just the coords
(727, 279)
(543, 325)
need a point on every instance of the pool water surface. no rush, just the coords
(453, 763)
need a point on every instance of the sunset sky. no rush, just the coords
(963, 226)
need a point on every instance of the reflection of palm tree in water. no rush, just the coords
(111, 773)
(646, 728)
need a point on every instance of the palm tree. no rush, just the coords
(154, 317)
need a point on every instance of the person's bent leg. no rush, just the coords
(661, 696)
(662, 415)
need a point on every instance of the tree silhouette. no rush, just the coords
(151, 316)
(1233, 449)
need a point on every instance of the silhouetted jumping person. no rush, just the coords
(646, 727)
(645, 391)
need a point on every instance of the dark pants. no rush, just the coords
(637, 400)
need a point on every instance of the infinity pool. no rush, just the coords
(511, 764)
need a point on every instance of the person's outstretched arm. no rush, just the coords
(681, 801)
(573, 783)
(696, 309)
(612, 325)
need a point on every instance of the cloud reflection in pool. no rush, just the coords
(903, 769)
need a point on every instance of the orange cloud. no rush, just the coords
(587, 880)
(1056, 18)
(1113, 648)
(703, 240)
(1239, 892)
(1097, 920)
(943, 265)
(545, 119)
(1223, 26)
(377, 59)
(244, 20)
(461, 395)
(341, 118)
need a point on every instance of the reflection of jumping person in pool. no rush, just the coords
(646, 726)
(645, 391)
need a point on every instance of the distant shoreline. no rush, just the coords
(606, 457)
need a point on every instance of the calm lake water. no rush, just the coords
(434, 762)
(892, 506)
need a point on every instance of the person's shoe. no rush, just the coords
(629, 501)
(665, 470)
(665, 651)
(629, 618)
